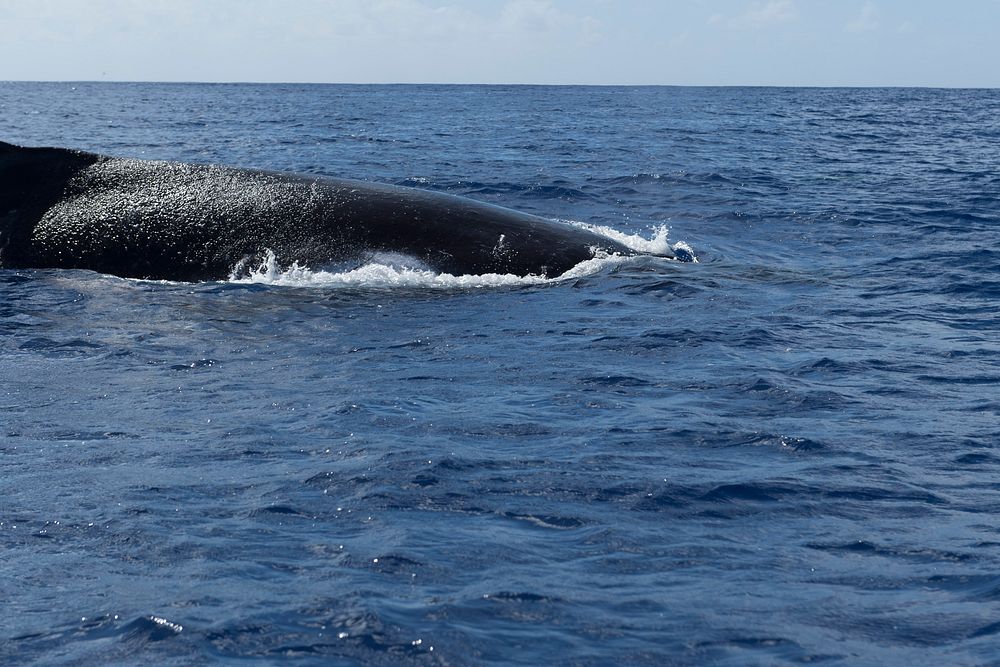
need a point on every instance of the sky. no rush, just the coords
(659, 42)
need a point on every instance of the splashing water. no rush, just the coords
(657, 245)
(397, 270)
(384, 270)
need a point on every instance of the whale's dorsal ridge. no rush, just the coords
(63, 208)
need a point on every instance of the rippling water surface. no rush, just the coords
(786, 452)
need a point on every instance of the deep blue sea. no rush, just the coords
(786, 452)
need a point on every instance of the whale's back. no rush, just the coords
(178, 221)
(32, 180)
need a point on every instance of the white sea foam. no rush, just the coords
(396, 270)
(657, 245)
(383, 270)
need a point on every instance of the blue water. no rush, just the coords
(786, 452)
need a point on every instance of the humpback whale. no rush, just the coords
(133, 218)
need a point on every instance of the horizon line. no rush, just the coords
(498, 84)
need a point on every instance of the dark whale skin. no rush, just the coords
(147, 219)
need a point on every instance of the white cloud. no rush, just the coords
(532, 16)
(773, 11)
(866, 20)
(537, 17)
(758, 15)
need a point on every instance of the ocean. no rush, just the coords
(785, 452)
